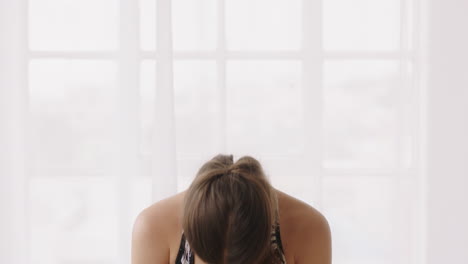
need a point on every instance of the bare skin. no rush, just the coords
(305, 232)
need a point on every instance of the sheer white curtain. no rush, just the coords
(109, 105)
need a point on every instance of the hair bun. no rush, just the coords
(247, 165)
(229, 211)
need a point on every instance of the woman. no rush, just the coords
(231, 214)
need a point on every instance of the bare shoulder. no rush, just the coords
(152, 231)
(305, 230)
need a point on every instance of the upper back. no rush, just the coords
(305, 233)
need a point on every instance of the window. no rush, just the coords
(325, 93)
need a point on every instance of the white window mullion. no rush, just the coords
(368, 55)
(252, 55)
(86, 55)
(403, 87)
(312, 83)
(221, 80)
(360, 172)
(402, 209)
(419, 134)
(420, 35)
(127, 123)
(164, 162)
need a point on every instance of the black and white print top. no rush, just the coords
(186, 255)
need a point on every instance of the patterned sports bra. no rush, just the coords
(186, 256)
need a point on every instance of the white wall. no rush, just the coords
(447, 156)
(12, 138)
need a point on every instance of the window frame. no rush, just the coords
(129, 56)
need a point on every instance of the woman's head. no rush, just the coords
(229, 212)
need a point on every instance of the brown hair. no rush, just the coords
(230, 209)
